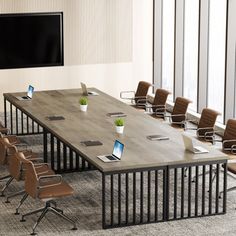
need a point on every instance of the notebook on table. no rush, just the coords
(51, 118)
(91, 143)
(157, 137)
(116, 114)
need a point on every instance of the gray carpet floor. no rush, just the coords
(85, 208)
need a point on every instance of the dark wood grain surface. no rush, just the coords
(94, 124)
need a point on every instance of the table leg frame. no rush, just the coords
(162, 194)
(18, 122)
(62, 157)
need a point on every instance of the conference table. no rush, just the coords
(153, 181)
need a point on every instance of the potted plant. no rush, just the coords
(83, 104)
(119, 122)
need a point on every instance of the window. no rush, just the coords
(168, 46)
(216, 63)
(191, 26)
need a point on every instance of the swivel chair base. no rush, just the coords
(44, 211)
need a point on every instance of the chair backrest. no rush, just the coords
(230, 132)
(142, 89)
(180, 107)
(31, 179)
(160, 97)
(14, 166)
(4, 150)
(208, 119)
(3, 153)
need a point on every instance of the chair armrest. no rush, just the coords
(48, 178)
(206, 128)
(126, 92)
(158, 107)
(39, 165)
(42, 172)
(141, 100)
(229, 141)
(232, 148)
(178, 115)
(209, 136)
(35, 159)
(193, 121)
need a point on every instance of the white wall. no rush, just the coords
(109, 77)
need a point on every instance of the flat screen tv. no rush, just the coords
(31, 40)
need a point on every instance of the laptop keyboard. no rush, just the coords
(111, 157)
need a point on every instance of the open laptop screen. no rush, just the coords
(118, 149)
(30, 91)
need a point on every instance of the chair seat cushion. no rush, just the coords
(61, 190)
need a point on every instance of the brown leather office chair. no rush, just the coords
(178, 115)
(7, 150)
(47, 189)
(158, 106)
(18, 172)
(206, 124)
(229, 137)
(4, 161)
(139, 95)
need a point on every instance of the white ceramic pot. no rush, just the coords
(83, 107)
(120, 129)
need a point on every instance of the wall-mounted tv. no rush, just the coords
(31, 40)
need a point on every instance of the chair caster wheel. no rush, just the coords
(16, 213)
(2, 195)
(7, 201)
(22, 220)
(75, 228)
(33, 233)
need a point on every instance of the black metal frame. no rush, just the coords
(20, 123)
(150, 195)
(137, 196)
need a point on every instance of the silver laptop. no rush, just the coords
(116, 154)
(188, 143)
(29, 94)
(86, 92)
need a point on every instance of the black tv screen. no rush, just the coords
(31, 40)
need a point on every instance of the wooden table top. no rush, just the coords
(139, 152)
